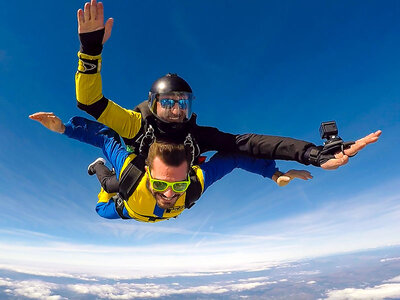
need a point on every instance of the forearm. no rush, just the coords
(254, 145)
(273, 147)
(100, 136)
(221, 165)
(85, 130)
(88, 79)
(107, 210)
(88, 87)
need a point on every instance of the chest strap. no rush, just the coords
(119, 206)
(131, 177)
(194, 190)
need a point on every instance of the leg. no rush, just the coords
(106, 177)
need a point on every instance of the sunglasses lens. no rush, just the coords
(159, 185)
(167, 103)
(183, 104)
(180, 187)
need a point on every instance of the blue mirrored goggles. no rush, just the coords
(170, 103)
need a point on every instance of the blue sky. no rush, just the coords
(278, 68)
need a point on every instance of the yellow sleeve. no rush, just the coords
(200, 176)
(88, 87)
(125, 122)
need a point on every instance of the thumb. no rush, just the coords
(283, 180)
(107, 29)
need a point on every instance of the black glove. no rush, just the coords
(92, 42)
(321, 154)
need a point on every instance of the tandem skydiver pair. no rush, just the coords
(166, 118)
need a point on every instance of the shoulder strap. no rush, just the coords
(119, 206)
(131, 177)
(194, 190)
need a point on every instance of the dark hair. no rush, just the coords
(170, 153)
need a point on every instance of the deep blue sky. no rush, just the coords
(278, 68)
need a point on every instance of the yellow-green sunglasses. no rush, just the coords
(161, 185)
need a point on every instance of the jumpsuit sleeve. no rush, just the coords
(254, 145)
(105, 207)
(98, 135)
(88, 86)
(222, 164)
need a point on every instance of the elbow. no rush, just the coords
(95, 109)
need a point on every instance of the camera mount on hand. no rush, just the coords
(333, 144)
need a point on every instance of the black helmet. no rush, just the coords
(170, 83)
(173, 88)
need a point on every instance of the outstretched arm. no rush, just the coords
(89, 132)
(222, 164)
(275, 147)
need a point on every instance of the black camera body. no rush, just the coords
(333, 143)
(328, 130)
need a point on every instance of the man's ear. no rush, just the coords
(145, 168)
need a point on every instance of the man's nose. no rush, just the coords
(175, 108)
(169, 192)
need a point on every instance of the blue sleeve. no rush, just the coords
(220, 165)
(107, 210)
(98, 135)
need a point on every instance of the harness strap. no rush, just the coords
(119, 206)
(131, 177)
(146, 141)
(188, 143)
(194, 190)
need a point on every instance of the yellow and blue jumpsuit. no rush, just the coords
(141, 205)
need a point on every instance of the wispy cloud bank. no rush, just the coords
(31, 289)
(38, 289)
(382, 291)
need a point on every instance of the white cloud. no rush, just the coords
(33, 289)
(254, 279)
(32, 271)
(389, 259)
(395, 279)
(377, 292)
(151, 290)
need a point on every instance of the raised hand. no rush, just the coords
(292, 174)
(92, 18)
(49, 120)
(342, 159)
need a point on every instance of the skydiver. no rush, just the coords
(170, 182)
(167, 111)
